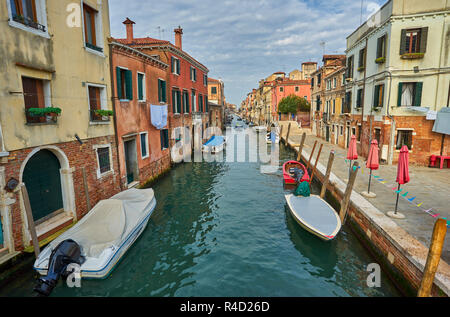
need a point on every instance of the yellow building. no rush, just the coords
(57, 129)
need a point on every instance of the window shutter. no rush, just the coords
(119, 83)
(140, 86)
(179, 101)
(379, 41)
(206, 104)
(161, 138)
(400, 89)
(166, 138)
(403, 42)
(376, 96)
(418, 94)
(159, 90)
(423, 39)
(382, 95)
(129, 84)
(173, 102)
(178, 66)
(164, 91)
(172, 66)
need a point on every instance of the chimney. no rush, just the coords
(178, 37)
(129, 24)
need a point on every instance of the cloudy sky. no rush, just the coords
(243, 41)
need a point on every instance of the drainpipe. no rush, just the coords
(391, 141)
(364, 96)
(113, 98)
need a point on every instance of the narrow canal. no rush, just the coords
(222, 229)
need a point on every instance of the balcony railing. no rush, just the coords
(34, 119)
(28, 22)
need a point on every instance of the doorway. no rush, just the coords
(131, 160)
(42, 178)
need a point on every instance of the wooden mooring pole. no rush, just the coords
(315, 165)
(86, 189)
(281, 133)
(348, 192)
(434, 255)
(327, 175)
(30, 220)
(311, 155)
(300, 149)
(287, 135)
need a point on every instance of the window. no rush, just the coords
(175, 65)
(378, 97)
(409, 94)
(193, 74)
(104, 160)
(144, 145)
(378, 135)
(318, 102)
(404, 137)
(194, 101)
(124, 84)
(334, 106)
(176, 101)
(348, 102)
(186, 101)
(341, 130)
(27, 13)
(200, 102)
(334, 82)
(359, 95)
(414, 41)
(354, 131)
(205, 80)
(164, 139)
(162, 91)
(350, 67)
(36, 94)
(97, 101)
(213, 90)
(381, 46)
(361, 59)
(359, 133)
(91, 34)
(319, 79)
(312, 82)
(281, 89)
(296, 89)
(206, 103)
(141, 87)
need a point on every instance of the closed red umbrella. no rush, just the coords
(352, 153)
(372, 160)
(402, 171)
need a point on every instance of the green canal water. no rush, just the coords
(222, 229)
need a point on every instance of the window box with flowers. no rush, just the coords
(46, 114)
(380, 60)
(361, 68)
(101, 115)
(412, 56)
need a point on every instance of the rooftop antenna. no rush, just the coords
(162, 30)
(323, 47)
(159, 32)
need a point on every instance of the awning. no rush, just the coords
(442, 123)
(158, 115)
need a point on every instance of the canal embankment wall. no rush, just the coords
(400, 254)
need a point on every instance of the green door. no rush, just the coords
(43, 181)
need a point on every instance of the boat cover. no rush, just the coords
(442, 123)
(215, 141)
(110, 221)
(315, 212)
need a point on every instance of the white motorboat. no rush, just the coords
(274, 134)
(214, 145)
(260, 129)
(99, 239)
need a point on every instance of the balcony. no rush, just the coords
(28, 22)
(42, 116)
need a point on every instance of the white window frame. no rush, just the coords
(175, 102)
(192, 75)
(124, 83)
(412, 135)
(144, 87)
(111, 165)
(98, 29)
(41, 15)
(147, 145)
(177, 61)
(194, 99)
(103, 101)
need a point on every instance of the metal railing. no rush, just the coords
(29, 22)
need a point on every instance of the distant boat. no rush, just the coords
(315, 215)
(260, 129)
(294, 172)
(99, 240)
(215, 144)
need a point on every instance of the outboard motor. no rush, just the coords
(298, 174)
(67, 252)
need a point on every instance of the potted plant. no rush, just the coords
(412, 55)
(104, 114)
(380, 60)
(47, 111)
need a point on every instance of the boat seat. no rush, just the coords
(104, 227)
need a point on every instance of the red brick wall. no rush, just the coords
(79, 157)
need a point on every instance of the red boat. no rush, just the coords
(289, 170)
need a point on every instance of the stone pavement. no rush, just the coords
(430, 186)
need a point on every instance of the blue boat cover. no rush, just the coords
(215, 141)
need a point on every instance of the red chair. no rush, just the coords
(433, 159)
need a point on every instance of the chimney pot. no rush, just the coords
(179, 37)
(129, 25)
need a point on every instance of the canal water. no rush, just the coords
(222, 229)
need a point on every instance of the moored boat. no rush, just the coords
(294, 172)
(260, 129)
(214, 145)
(315, 215)
(99, 240)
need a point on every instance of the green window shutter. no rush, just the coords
(400, 89)
(174, 109)
(188, 109)
(119, 83)
(166, 138)
(129, 84)
(379, 42)
(403, 42)
(376, 95)
(140, 86)
(161, 137)
(382, 96)
(178, 66)
(206, 104)
(423, 39)
(179, 101)
(159, 90)
(418, 94)
(172, 62)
